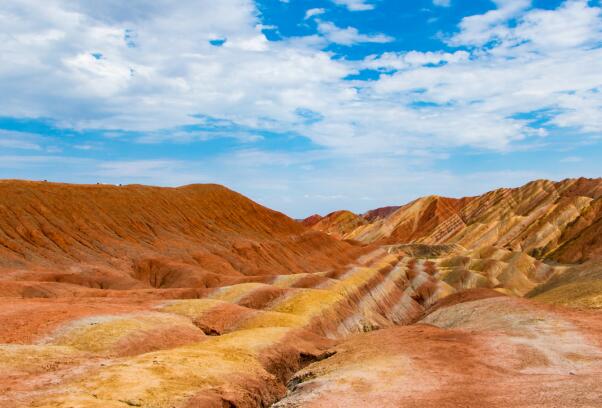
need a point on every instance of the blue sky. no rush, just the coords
(303, 105)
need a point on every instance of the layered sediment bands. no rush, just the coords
(311, 220)
(379, 213)
(236, 344)
(579, 287)
(582, 238)
(560, 221)
(494, 352)
(510, 272)
(134, 237)
(198, 297)
(339, 224)
(410, 222)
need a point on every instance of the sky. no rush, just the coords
(306, 106)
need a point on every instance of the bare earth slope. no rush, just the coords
(561, 221)
(139, 237)
(579, 286)
(490, 352)
(339, 223)
(378, 213)
(198, 297)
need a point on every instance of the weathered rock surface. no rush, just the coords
(492, 352)
(561, 221)
(577, 287)
(136, 237)
(339, 224)
(198, 297)
(379, 213)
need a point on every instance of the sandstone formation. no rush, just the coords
(379, 213)
(120, 296)
(561, 221)
(491, 352)
(65, 237)
(338, 224)
(311, 220)
(236, 344)
(579, 286)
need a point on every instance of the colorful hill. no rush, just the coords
(338, 224)
(480, 352)
(135, 237)
(560, 221)
(121, 296)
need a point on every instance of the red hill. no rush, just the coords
(137, 236)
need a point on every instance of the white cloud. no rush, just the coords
(314, 12)
(172, 73)
(528, 69)
(115, 66)
(355, 5)
(16, 163)
(573, 24)
(413, 59)
(349, 35)
(154, 76)
(85, 146)
(481, 28)
(135, 168)
(18, 144)
(442, 3)
(198, 135)
(19, 140)
(571, 159)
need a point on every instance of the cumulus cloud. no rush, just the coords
(122, 66)
(355, 5)
(314, 12)
(512, 72)
(400, 61)
(482, 28)
(442, 3)
(19, 140)
(349, 35)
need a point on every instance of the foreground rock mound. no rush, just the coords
(492, 352)
(198, 297)
(236, 344)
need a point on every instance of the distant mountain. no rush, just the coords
(311, 220)
(378, 213)
(199, 297)
(339, 224)
(122, 237)
(560, 221)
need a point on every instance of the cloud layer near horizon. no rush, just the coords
(502, 80)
